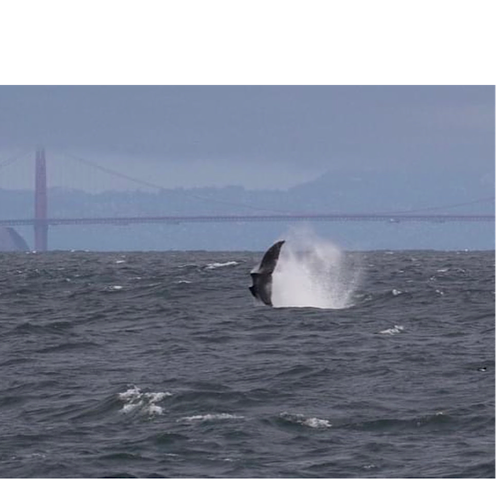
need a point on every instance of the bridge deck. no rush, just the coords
(391, 218)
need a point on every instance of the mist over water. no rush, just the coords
(313, 272)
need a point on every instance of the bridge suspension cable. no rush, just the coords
(253, 207)
(13, 159)
(445, 207)
(23, 153)
(41, 221)
(159, 187)
(113, 172)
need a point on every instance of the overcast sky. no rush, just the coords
(258, 137)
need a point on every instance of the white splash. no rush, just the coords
(313, 272)
(144, 402)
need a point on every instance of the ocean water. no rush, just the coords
(371, 365)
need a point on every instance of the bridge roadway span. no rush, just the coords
(181, 219)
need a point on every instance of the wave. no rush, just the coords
(210, 417)
(300, 419)
(216, 265)
(142, 402)
(392, 330)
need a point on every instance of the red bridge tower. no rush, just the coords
(41, 226)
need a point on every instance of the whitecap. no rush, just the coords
(216, 265)
(155, 397)
(209, 417)
(133, 392)
(145, 402)
(299, 418)
(393, 330)
(154, 410)
(317, 423)
(129, 407)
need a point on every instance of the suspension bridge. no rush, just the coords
(41, 221)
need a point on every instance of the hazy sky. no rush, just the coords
(254, 136)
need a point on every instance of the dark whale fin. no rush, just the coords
(270, 259)
(262, 278)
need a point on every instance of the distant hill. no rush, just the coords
(394, 191)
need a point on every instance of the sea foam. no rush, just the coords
(216, 265)
(210, 417)
(144, 402)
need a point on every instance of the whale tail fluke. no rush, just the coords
(262, 278)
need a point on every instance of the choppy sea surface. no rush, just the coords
(372, 365)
